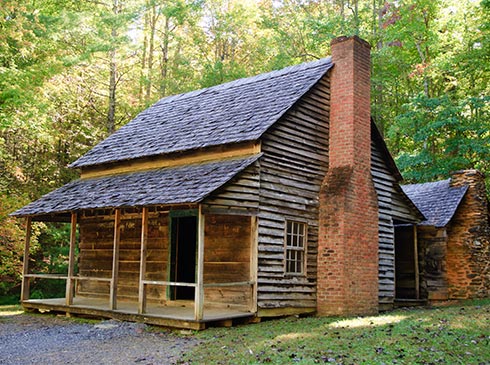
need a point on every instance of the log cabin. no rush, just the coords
(266, 196)
(453, 240)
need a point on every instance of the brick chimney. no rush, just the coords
(468, 246)
(347, 279)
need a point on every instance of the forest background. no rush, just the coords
(73, 71)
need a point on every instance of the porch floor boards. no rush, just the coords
(174, 315)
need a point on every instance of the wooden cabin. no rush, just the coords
(454, 239)
(266, 196)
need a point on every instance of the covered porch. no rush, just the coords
(177, 266)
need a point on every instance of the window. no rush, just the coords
(295, 247)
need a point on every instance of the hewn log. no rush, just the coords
(71, 260)
(144, 243)
(115, 260)
(25, 268)
(199, 291)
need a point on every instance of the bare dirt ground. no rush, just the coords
(53, 340)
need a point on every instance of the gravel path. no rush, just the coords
(46, 339)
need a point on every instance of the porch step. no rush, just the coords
(400, 303)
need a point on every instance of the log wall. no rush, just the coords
(227, 255)
(432, 262)
(96, 247)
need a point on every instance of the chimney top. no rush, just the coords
(345, 38)
(465, 177)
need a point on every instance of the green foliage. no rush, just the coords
(51, 257)
(11, 250)
(438, 135)
(70, 71)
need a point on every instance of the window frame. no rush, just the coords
(288, 248)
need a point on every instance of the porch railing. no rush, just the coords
(70, 278)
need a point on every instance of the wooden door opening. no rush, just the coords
(406, 263)
(183, 246)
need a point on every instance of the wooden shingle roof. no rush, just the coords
(233, 112)
(175, 185)
(437, 201)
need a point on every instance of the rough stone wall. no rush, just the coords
(347, 279)
(468, 248)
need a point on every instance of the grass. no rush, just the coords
(458, 334)
(10, 310)
(16, 309)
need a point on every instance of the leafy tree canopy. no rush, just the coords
(71, 72)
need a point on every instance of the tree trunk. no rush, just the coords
(151, 46)
(143, 56)
(111, 113)
(164, 63)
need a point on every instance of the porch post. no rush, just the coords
(25, 269)
(71, 260)
(254, 239)
(416, 259)
(199, 292)
(115, 260)
(144, 243)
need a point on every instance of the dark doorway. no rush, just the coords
(183, 256)
(406, 263)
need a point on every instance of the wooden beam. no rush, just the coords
(115, 259)
(169, 283)
(254, 238)
(93, 278)
(177, 159)
(71, 260)
(199, 291)
(224, 285)
(47, 276)
(25, 269)
(284, 311)
(144, 245)
(416, 259)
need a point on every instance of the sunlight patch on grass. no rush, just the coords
(293, 336)
(10, 310)
(368, 321)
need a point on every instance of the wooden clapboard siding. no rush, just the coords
(227, 258)
(95, 254)
(292, 168)
(392, 207)
(239, 195)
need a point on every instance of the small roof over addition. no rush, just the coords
(233, 112)
(437, 201)
(173, 185)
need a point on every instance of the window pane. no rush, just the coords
(295, 246)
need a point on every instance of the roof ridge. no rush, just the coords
(437, 200)
(245, 80)
(236, 111)
(427, 183)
